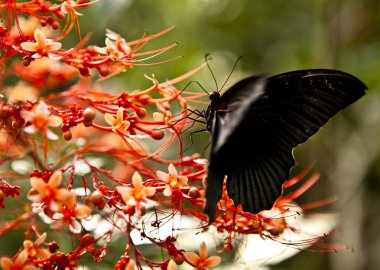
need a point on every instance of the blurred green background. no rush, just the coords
(278, 36)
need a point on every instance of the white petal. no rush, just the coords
(30, 129)
(42, 109)
(51, 136)
(27, 115)
(75, 226)
(29, 46)
(172, 169)
(167, 191)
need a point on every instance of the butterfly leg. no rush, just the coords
(192, 141)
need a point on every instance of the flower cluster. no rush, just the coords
(109, 169)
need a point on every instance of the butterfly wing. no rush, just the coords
(256, 155)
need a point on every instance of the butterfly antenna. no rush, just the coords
(207, 58)
(232, 71)
(196, 82)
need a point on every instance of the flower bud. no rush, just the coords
(55, 25)
(96, 198)
(88, 114)
(2, 196)
(178, 259)
(26, 61)
(53, 246)
(194, 193)
(87, 239)
(141, 112)
(157, 134)
(67, 135)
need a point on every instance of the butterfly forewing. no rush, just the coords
(255, 152)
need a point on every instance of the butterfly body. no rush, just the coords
(256, 124)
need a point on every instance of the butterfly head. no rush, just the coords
(214, 104)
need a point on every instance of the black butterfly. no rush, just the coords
(255, 125)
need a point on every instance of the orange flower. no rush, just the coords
(116, 47)
(22, 91)
(40, 120)
(118, 123)
(137, 194)
(162, 116)
(202, 262)
(272, 221)
(42, 46)
(172, 179)
(18, 263)
(49, 193)
(69, 213)
(30, 250)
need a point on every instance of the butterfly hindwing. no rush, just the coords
(256, 154)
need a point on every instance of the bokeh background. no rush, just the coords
(277, 36)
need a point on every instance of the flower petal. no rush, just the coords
(29, 267)
(182, 180)
(75, 226)
(71, 201)
(51, 135)
(54, 46)
(159, 117)
(149, 191)
(55, 121)
(21, 258)
(192, 258)
(27, 244)
(120, 114)
(27, 115)
(212, 261)
(131, 265)
(124, 125)
(37, 183)
(63, 194)
(40, 37)
(54, 206)
(42, 109)
(203, 251)
(55, 179)
(167, 191)
(83, 211)
(29, 46)
(40, 239)
(43, 253)
(172, 169)
(136, 179)
(109, 118)
(125, 193)
(30, 129)
(100, 50)
(172, 265)
(6, 262)
(162, 175)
